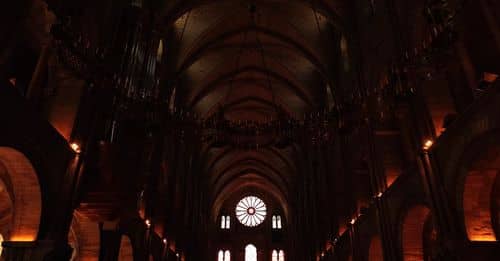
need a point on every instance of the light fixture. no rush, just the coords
(353, 221)
(147, 222)
(428, 144)
(379, 195)
(165, 241)
(177, 254)
(75, 147)
(490, 77)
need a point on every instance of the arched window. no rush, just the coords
(278, 255)
(225, 222)
(250, 253)
(224, 255)
(277, 222)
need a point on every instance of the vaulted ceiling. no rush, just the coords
(253, 60)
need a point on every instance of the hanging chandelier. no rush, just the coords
(217, 131)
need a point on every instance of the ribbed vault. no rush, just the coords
(252, 61)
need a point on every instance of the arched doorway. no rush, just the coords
(20, 196)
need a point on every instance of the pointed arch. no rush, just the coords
(250, 253)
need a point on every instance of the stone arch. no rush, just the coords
(84, 237)
(413, 232)
(478, 188)
(21, 183)
(375, 251)
(126, 252)
(478, 203)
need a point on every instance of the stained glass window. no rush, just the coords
(278, 255)
(225, 222)
(276, 222)
(250, 253)
(281, 256)
(275, 255)
(224, 255)
(251, 211)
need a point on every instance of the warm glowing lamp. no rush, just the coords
(75, 147)
(428, 144)
(148, 223)
(22, 238)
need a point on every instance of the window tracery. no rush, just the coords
(278, 255)
(225, 222)
(251, 211)
(224, 255)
